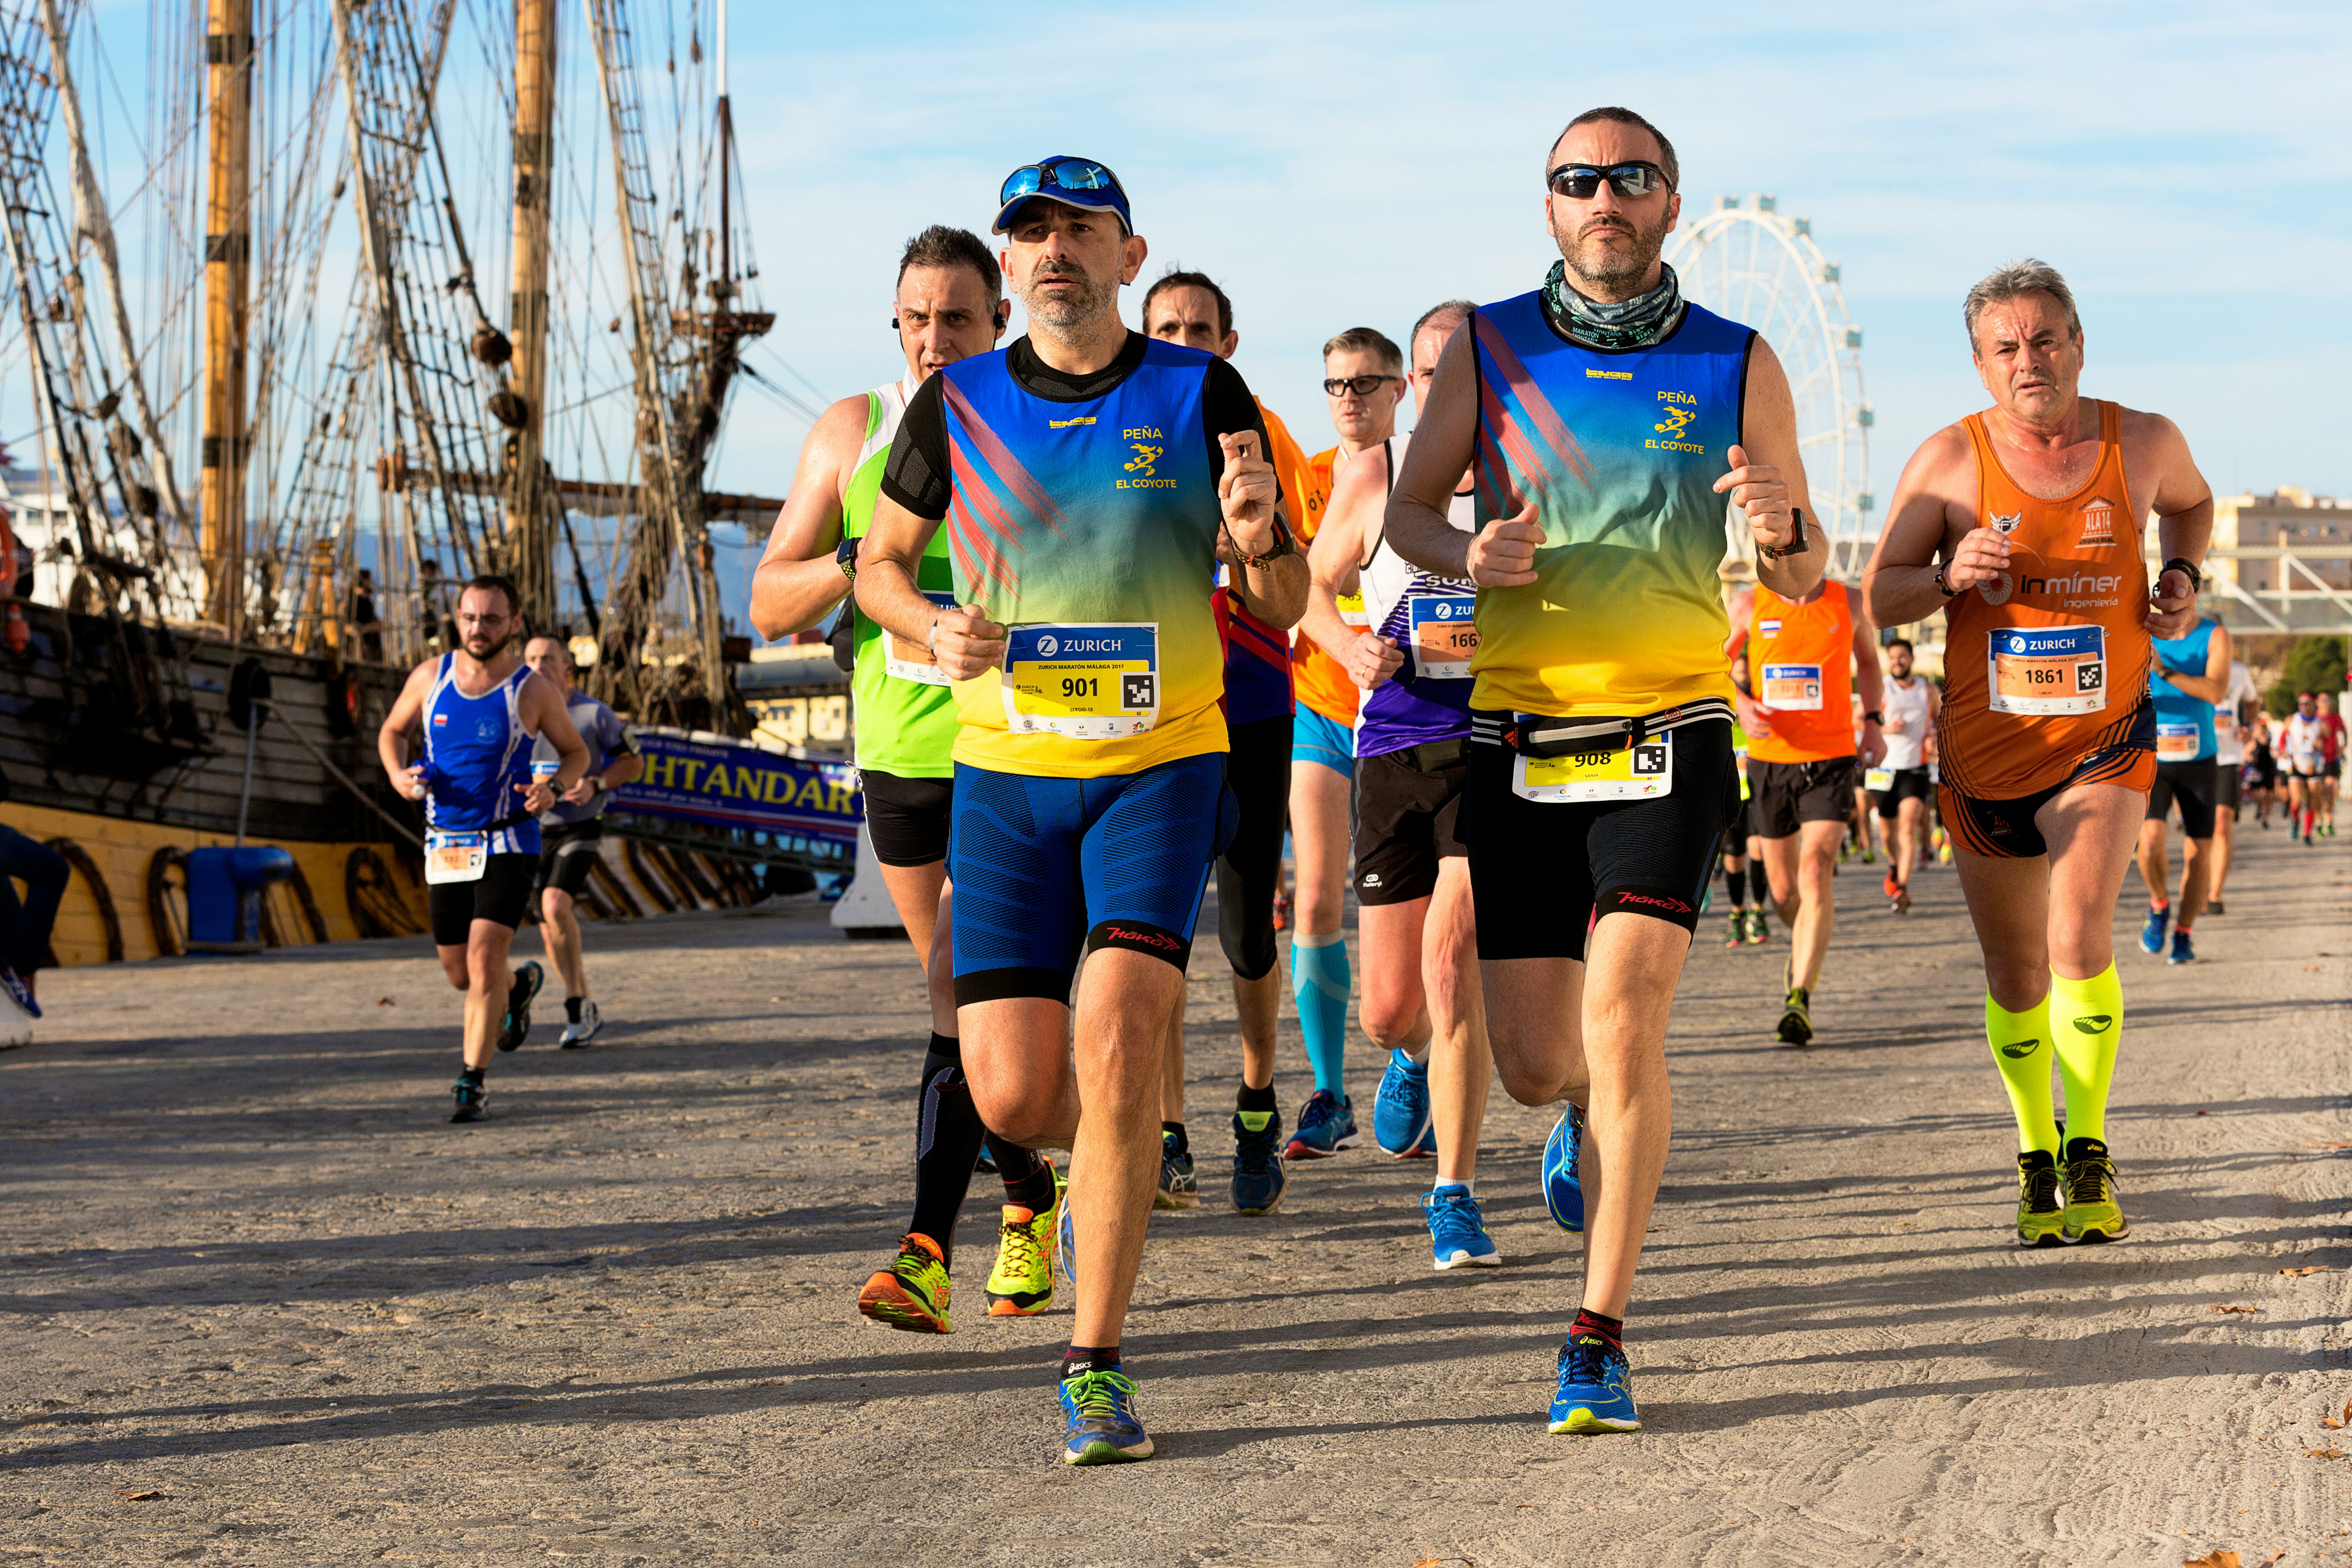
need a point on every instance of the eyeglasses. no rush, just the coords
(1361, 385)
(1581, 181)
(1068, 174)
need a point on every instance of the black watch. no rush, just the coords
(1795, 545)
(1874, 716)
(845, 557)
(2187, 569)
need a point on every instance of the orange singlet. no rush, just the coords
(1800, 665)
(2048, 668)
(1322, 681)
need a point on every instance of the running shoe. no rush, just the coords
(472, 1097)
(1400, 1120)
(1178, 1187)
(1457, 1231)
(2151, 934)
(1282, 912)
(2092, 1212)
(1596, 1388)
(1796, 1027)
(1104, 1428)
(1890, 886)
(912, 1293)
(1563, 1189)
(1902, 904)
(2183, 950)
(1022, 1283)
(1327, 1124)
(1739, 928)
(1258, 1174)
(1066, 1232)
(1869, 856)
(1759, 933)
(578, 1033)
(2039, 1211)
(20, 992)
(516, 1026)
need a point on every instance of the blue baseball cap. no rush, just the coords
(1071, 181)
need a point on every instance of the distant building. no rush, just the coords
(2288, 519)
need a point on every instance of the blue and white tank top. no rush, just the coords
(1431, 620)
(2184, 725)
(476, 752)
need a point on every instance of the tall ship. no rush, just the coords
(319, 321)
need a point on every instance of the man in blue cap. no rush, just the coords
(1091, 478)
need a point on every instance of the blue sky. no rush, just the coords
(2185, 166)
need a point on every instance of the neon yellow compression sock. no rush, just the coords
(2086, 1023)
(2021, 1049)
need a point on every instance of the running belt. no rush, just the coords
(1492, 728)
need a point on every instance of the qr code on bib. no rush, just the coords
(2090, 676)
(1135, 691)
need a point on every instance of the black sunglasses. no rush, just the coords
(1579, 181)
(1361, 385)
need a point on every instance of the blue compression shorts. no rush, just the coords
(1321, 740)
(1046, 869)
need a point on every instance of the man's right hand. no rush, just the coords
(1754, 717)
(411, 781)
(967, 643)
(1371, 660)
(1503, 554)
(1982, 557)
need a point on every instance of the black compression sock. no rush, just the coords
(1589, 1321)
(1759, 887)
(1079, 1360)
(1028, 1179)
(1735, 884)
(572, 1009)
(1183, 1144)
(947, 1136)
(1255, 1099)
(472, 1075)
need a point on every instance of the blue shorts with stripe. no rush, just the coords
(1314, 738)
(1046, 869)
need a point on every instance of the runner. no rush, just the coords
(1363, 379)
(1735, 859)
(572, 828)
(2301, 745)
(1412, 661)
(1189, 308)
(479, 706)
(1810, 652)
(2331, 762)
(950, 305)
(2048, 739)
(1087, 475)
(1606, 418)
(1899, 789)
(2229, 774)
(25, 924)
(2191, 674)
(2263, 769)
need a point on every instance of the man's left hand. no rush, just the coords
(582, 793)
(1872, 751)
(2172, 609)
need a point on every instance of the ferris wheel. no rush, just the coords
(1748, 262)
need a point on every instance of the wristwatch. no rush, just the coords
(2187, 569)
(1943, 587)
(845, 557)
(1795, 545)
(1873, 717)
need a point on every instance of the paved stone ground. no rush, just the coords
(263, 1306)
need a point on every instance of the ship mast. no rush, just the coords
(529, 500)
(229, 301)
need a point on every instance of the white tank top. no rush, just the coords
(1908, 750)
(1388, 577)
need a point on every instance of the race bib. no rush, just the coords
(904, 660)
(2036, 672)
(1878, 780)
(1796, 687)
(1352, 611)
(456, 856)
(2177, 743)
(1087, 683)
(1609, 771)
(1445, 635)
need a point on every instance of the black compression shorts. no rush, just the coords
(1541, 872)
(1784, 797)
(908, 818)
(1407, 820)
(1909, 783)
(2194, 786)
(566, 853)
(2230, 786)
(500, 896)
(1249, 873)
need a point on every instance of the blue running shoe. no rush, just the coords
(2183, 950)
(1400, 1120)
(1563, 1191)
(2151, 935)
(1457, 1231)
(19, 992)
(1258, 1175)
(1327, 1124)
(1104, 1429)
(1596, 1388)
(1065, 1234)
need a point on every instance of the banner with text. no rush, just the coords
(732, 784)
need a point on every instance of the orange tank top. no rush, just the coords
(1801, 666)
(1322, 681)
(2049, 664)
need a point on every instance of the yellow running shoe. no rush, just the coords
(1022, 1283)
(912, 1293)
(2038, 1210)
(2091, 1212)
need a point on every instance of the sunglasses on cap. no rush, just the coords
(1579, 181)
(1361, 385)
(1063, 173)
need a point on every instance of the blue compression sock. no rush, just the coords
(1318, 980)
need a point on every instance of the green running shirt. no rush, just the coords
(904, 711)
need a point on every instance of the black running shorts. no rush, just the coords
(1782, 796)
(2195, 788)
(908, 818)
(1910, 783)
(566, 853)
(1406, 822)
(1541, 873)
(1249, 873)
(500, 896)
(2230, 785)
